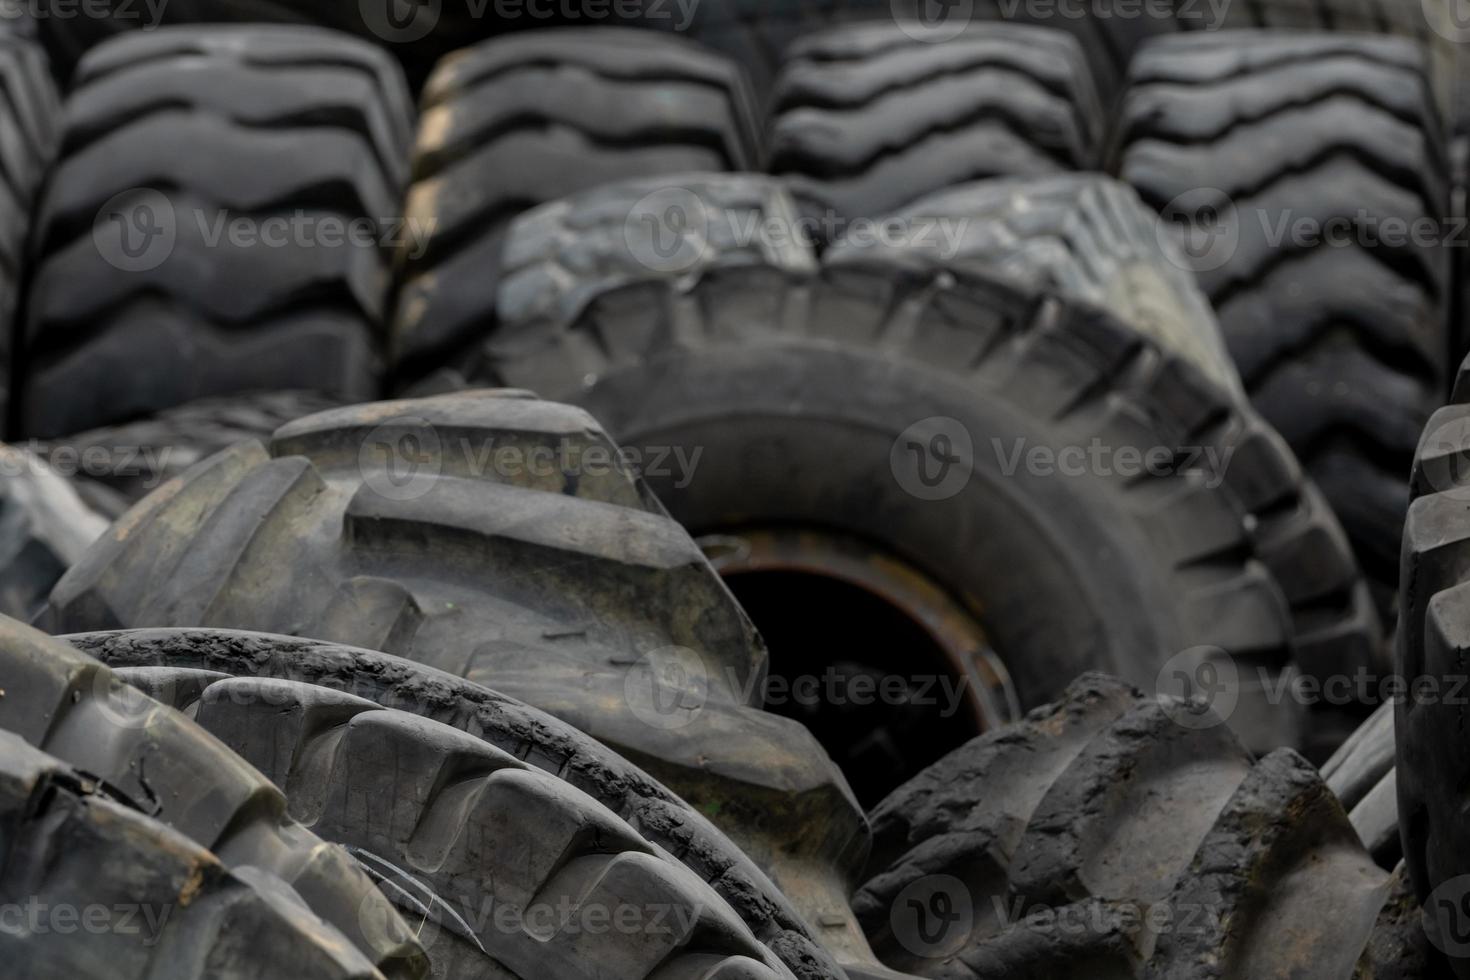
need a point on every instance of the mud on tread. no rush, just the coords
(182, 663)
(68, 705)
(72, 842)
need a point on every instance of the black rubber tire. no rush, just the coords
(73, 846)
(466, 833)
(519, 121)
(1362, 775)
(866, 119)
(1341, 348)
(823, 374)
(177, 665)
(149, 452)
(1432, 641)
(29, 108)
(566, 587)
(45, 527)
(69, 705)
(184, 132)
(1109, 808)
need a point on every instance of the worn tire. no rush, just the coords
(177, 666)
(1341, 348)
(149, 452)
(1362, 775)
(44, 528)
(180, 135)
(29, 108)
(797, 386)
(567, 587)
(176, 911)
(518, 121)
(70, 706)
(866, 119)
(1109, 809)
(464, 832)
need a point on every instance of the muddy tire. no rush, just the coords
(160, 237)
(1109, 808)
(512, 865)
(179, 912)
(799, 386)
(28, 118)
(1341, 348)
(519, 121)
(178, 666)
(70, 706)
(44, 528)
(866, 119)
(556, 579)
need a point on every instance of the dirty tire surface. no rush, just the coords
(1109, 804)
(72, 841)
(503, 539)
(824, 371)
(162, 237)
(1341, 348)
(522, 120)
(865, 119)
(178, 666)
(71, 706)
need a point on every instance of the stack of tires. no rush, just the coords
(869, 494)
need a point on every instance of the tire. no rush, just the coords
(1110, 807)
(1271, 128)
(28, 114)
(797, 387)
(68, 705)
(151, 451)
(479, 840)
(44, 528)
(1430, 760)
(1361, 774)
(178, 666)
(73, 843)
(569, 589)
(519, 121)
(866, 119)
(295, 120)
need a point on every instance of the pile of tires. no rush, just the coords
(803, 491)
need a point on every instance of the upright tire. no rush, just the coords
(1281, 154)
(218, 222)
(70, 706)
(866, 119)
(1113, 834)
(518, 121)
(804, 391)
(181, 667)
(168, 909)
(506, 540)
